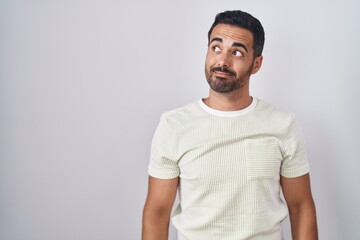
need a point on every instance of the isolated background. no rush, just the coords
(83, 84)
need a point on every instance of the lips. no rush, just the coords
(221, 71)
(222, 74)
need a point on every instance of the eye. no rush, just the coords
(216, 49)
(237, 53)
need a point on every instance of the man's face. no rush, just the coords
(229, 60)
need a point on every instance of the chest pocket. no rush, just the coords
(263, 158)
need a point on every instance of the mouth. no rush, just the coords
(223, 72)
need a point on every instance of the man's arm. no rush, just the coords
(157, 210)
(301, 206)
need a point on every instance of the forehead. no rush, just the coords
(233, 34)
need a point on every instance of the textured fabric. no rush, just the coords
(229, 164)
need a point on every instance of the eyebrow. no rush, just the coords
(235, 44)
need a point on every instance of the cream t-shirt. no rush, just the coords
(229, 164)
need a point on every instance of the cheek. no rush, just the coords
(207, 63)
(210, 60)
(241, 68)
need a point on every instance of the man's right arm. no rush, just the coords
(157, 210)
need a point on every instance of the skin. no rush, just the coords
(228, 54)
(157, 210)
(230, 48)
(298, 197)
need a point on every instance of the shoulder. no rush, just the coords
(272, 115)
(179, 116)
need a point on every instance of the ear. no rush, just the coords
(257, 64)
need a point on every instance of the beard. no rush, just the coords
(227, 85)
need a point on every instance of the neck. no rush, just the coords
(233, 101)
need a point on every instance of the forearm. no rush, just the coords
(303, 223)
(155, 225)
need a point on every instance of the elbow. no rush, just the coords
(156, 214)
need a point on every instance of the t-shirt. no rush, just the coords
(229, 164)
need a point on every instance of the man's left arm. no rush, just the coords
(297, 193)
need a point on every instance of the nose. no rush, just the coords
(223, 60)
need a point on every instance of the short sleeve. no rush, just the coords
(162, 156)
(295, 162)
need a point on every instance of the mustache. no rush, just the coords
(223, 69)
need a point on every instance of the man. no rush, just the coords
(229, 154)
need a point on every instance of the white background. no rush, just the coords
(83, 84)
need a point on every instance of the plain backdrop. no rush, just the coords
(83, 84)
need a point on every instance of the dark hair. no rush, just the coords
(243, 20)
